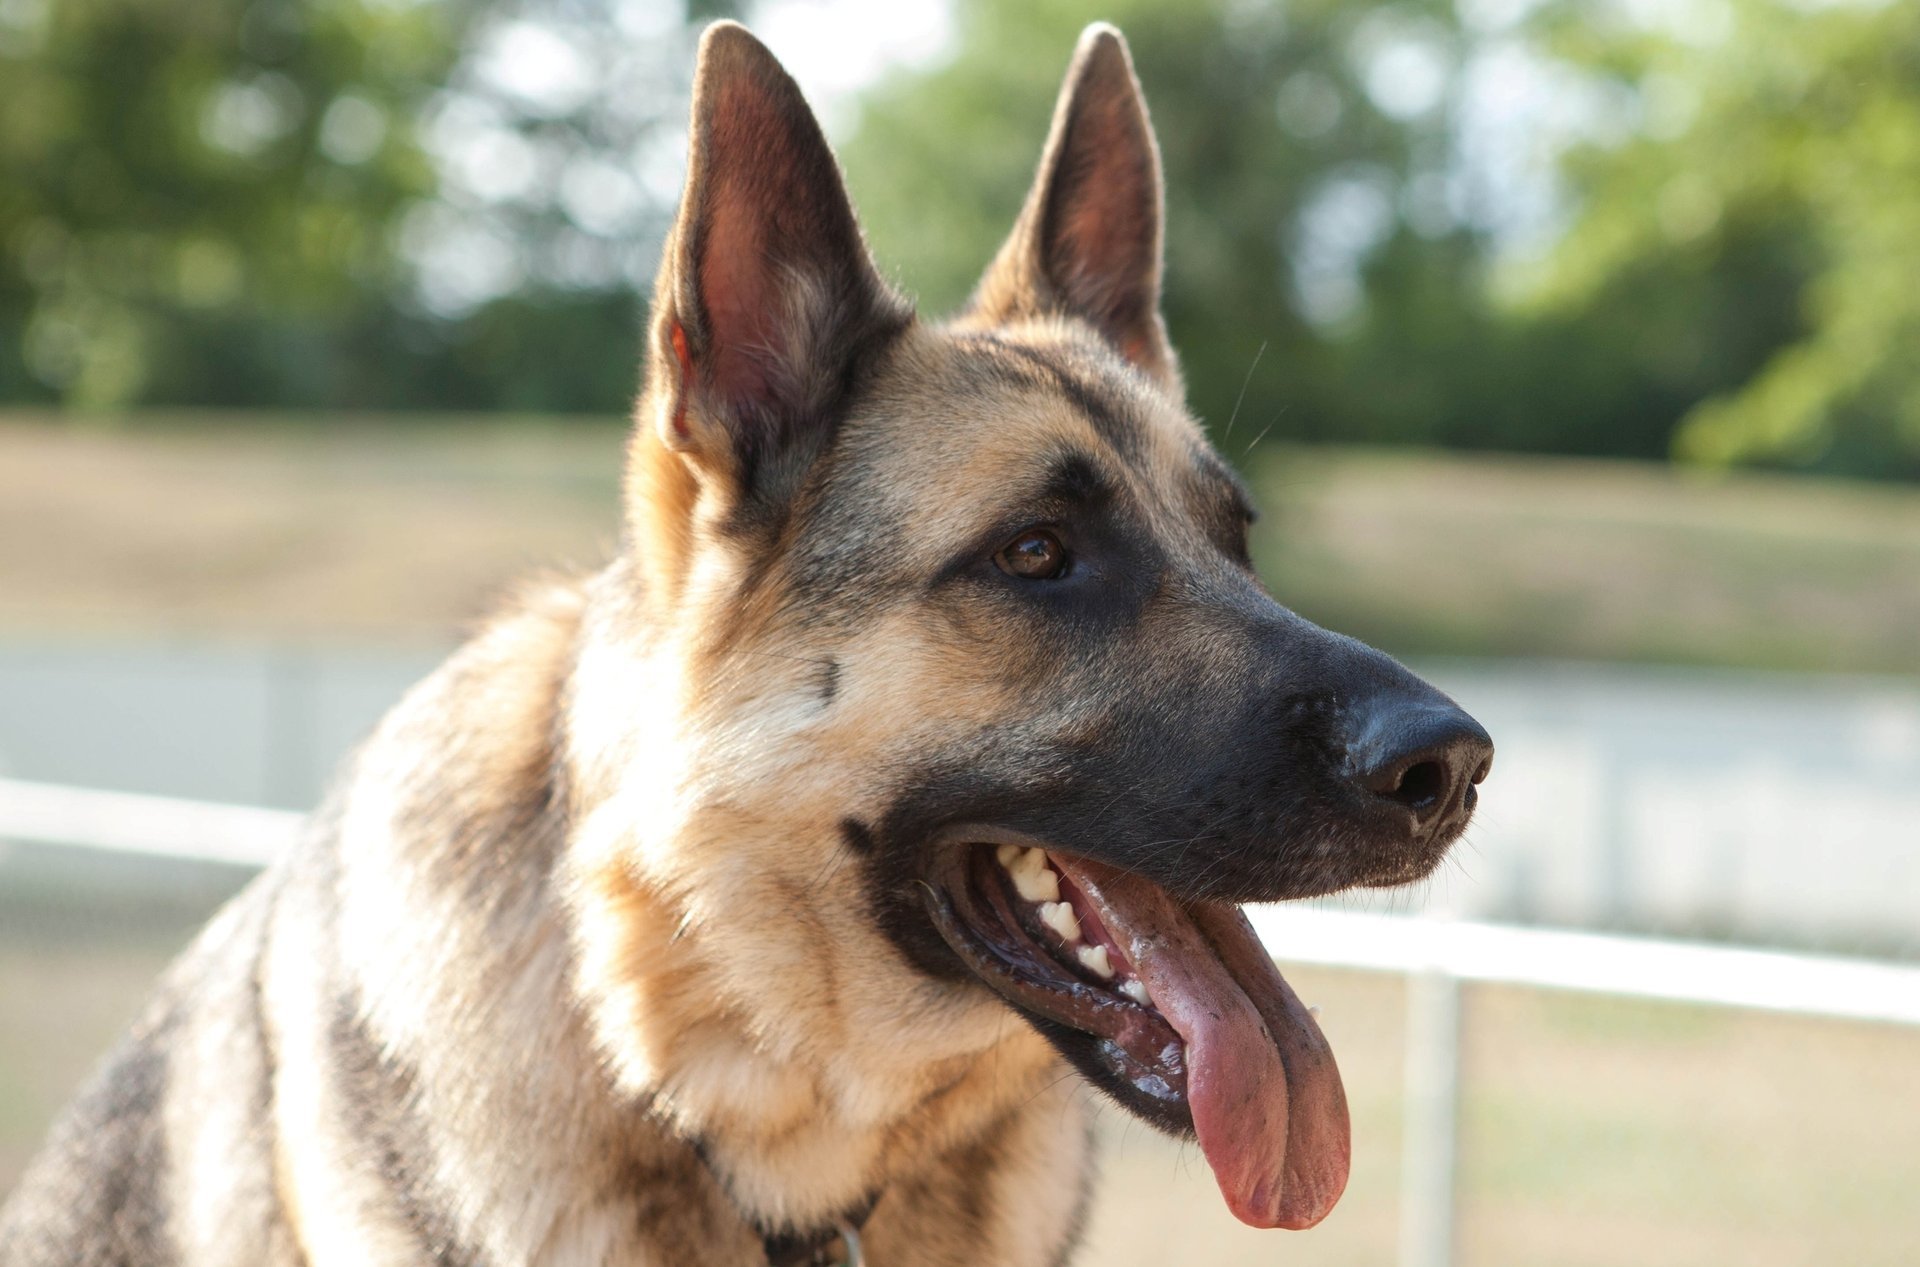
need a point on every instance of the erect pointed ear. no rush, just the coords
(766, 296)
(1087, 243)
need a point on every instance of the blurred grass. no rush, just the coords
(293, 527)
(1507, 556)
(1595, 1131)
(361, 528)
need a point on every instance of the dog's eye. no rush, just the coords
(1036, 555)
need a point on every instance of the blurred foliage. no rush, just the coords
(1260, 112)
(1737, 287)
(210, 202)
(356, 203)
(196, 182)
(1762, 220)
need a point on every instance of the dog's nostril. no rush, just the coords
(1419, 785)
(1422, 756)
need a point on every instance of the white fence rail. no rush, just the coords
(1437, 955)
(1639, 967)
(128, 822)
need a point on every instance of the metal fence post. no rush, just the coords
(1428, 1150)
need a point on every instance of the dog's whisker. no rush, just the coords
(1244, 453)
(1241, 398)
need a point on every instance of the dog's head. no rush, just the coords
(966, 653)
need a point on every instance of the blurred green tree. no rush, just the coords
(1728, 278)
(1286, 172)
(327, 203)
(1749, 252)
(243, 202)
(185, 188)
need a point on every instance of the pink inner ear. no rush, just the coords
(761, 211)
(1112, 210)
(1103, 219)
(740, 302)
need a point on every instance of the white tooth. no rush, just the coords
(1060, 918)
(1095, 957)
(1008, 855)
(1040, 885)
(1137, 991)
(1313, 1009)
(1029, 860)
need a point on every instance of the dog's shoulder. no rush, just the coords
(486, 726)
(114, 1183)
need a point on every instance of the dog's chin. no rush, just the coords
(1172, 1007)
(1402, 872)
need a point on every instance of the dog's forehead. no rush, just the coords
(962, 422)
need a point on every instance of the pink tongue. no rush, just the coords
(1265, 1094)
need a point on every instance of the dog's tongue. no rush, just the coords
(1265, 1094)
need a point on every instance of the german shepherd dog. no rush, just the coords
(747, 901)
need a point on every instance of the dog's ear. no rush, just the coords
(1087, 243)
(766, 296)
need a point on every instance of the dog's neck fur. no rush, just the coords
(660, 1015)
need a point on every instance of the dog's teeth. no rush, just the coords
(1095, 958)
(1137, 991)
(1037, 884)
(1008, 855)
(1060, 918)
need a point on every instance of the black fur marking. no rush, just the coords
(859, 837)
(98, 1193)
(776, 455)
(376, 1095)
(842, 568)
(1082, 1204)
(1213, 470)
(1119, 431)
(1223, 506)
(1122, 433)
(375, 1092)
(131, 1191)
(1076, 481)
(978, 1172)
(829, 681)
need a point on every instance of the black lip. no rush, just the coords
(1129, 1052)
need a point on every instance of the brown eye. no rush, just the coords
(1034, 556)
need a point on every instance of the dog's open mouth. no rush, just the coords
(1190, 1022)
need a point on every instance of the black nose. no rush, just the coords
(1424, 754)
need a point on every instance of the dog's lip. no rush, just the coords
(1227, 1049)
(975, 912)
